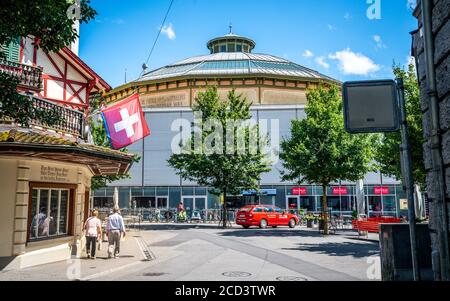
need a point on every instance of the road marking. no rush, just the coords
(110, 271)
(148, 255)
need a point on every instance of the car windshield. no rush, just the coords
(257, 210)
(246, 209)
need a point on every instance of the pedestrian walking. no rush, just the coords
(115, 228)
(93, 228)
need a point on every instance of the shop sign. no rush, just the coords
(267, 192)
(54, 174)
(299, 191)
(381, 190)
(340, 190)
(403, 204)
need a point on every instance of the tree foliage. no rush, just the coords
(19, 108)
(388, 150)
(233, 169)
(320, 150)
(48, 22)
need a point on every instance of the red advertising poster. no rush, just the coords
(340, 190)
(299, 191)
(380, 190)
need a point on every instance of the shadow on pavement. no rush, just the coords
(357, 250)
(283, 232)
(5, 261)
(269, 233)
(169, 227)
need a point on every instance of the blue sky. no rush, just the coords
(334, 37)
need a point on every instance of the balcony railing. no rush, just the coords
(70, 121)
(30, 77)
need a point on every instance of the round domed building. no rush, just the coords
(277, 89)
(264, 79)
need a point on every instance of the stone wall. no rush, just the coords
(441, 35)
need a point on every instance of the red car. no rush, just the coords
(265, 215)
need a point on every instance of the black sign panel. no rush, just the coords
(371, 106)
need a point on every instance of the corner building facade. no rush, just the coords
(277, 89)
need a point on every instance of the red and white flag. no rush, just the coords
(125, 122)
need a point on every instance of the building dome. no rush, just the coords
(231, 63)
(231, 43)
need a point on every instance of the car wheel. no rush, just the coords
(263, 224)
(292, 223)
(246, 227)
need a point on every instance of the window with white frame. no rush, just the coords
(49, 213)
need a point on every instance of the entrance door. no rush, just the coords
(86, 204)
(293, 203)
(162, 202)
(200, 203)
(144, 202)
(192, 203)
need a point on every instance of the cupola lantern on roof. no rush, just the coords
(231, 43)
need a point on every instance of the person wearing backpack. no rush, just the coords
(93, 227)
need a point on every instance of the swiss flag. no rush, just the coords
(125, 122)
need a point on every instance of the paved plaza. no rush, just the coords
(177, 252)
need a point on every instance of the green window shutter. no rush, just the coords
(12, 51)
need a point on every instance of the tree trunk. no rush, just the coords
(224, 212)
(325, 210)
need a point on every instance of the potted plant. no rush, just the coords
(309, 221)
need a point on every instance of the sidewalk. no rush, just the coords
(133, 251)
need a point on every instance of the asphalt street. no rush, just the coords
(177, 252)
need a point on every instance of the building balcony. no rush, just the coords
(69, 123)
(30, 78)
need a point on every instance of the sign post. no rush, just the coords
(379, 107)
(408, 177)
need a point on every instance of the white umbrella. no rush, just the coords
(116, 197)
(360, 200)
(419, 203)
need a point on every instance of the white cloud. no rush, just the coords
(321, 61)
(379, 41)
(308, 53)
(347, 16)
(351, 63)
(411, 3)
(410, 60)
(169, 32)
(331, 27)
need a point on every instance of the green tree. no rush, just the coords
(388, 150)
(100, 138)
(48, 22)
(320, 150)
(20, 108)
(214, 157)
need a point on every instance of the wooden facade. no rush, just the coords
(66, 78)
